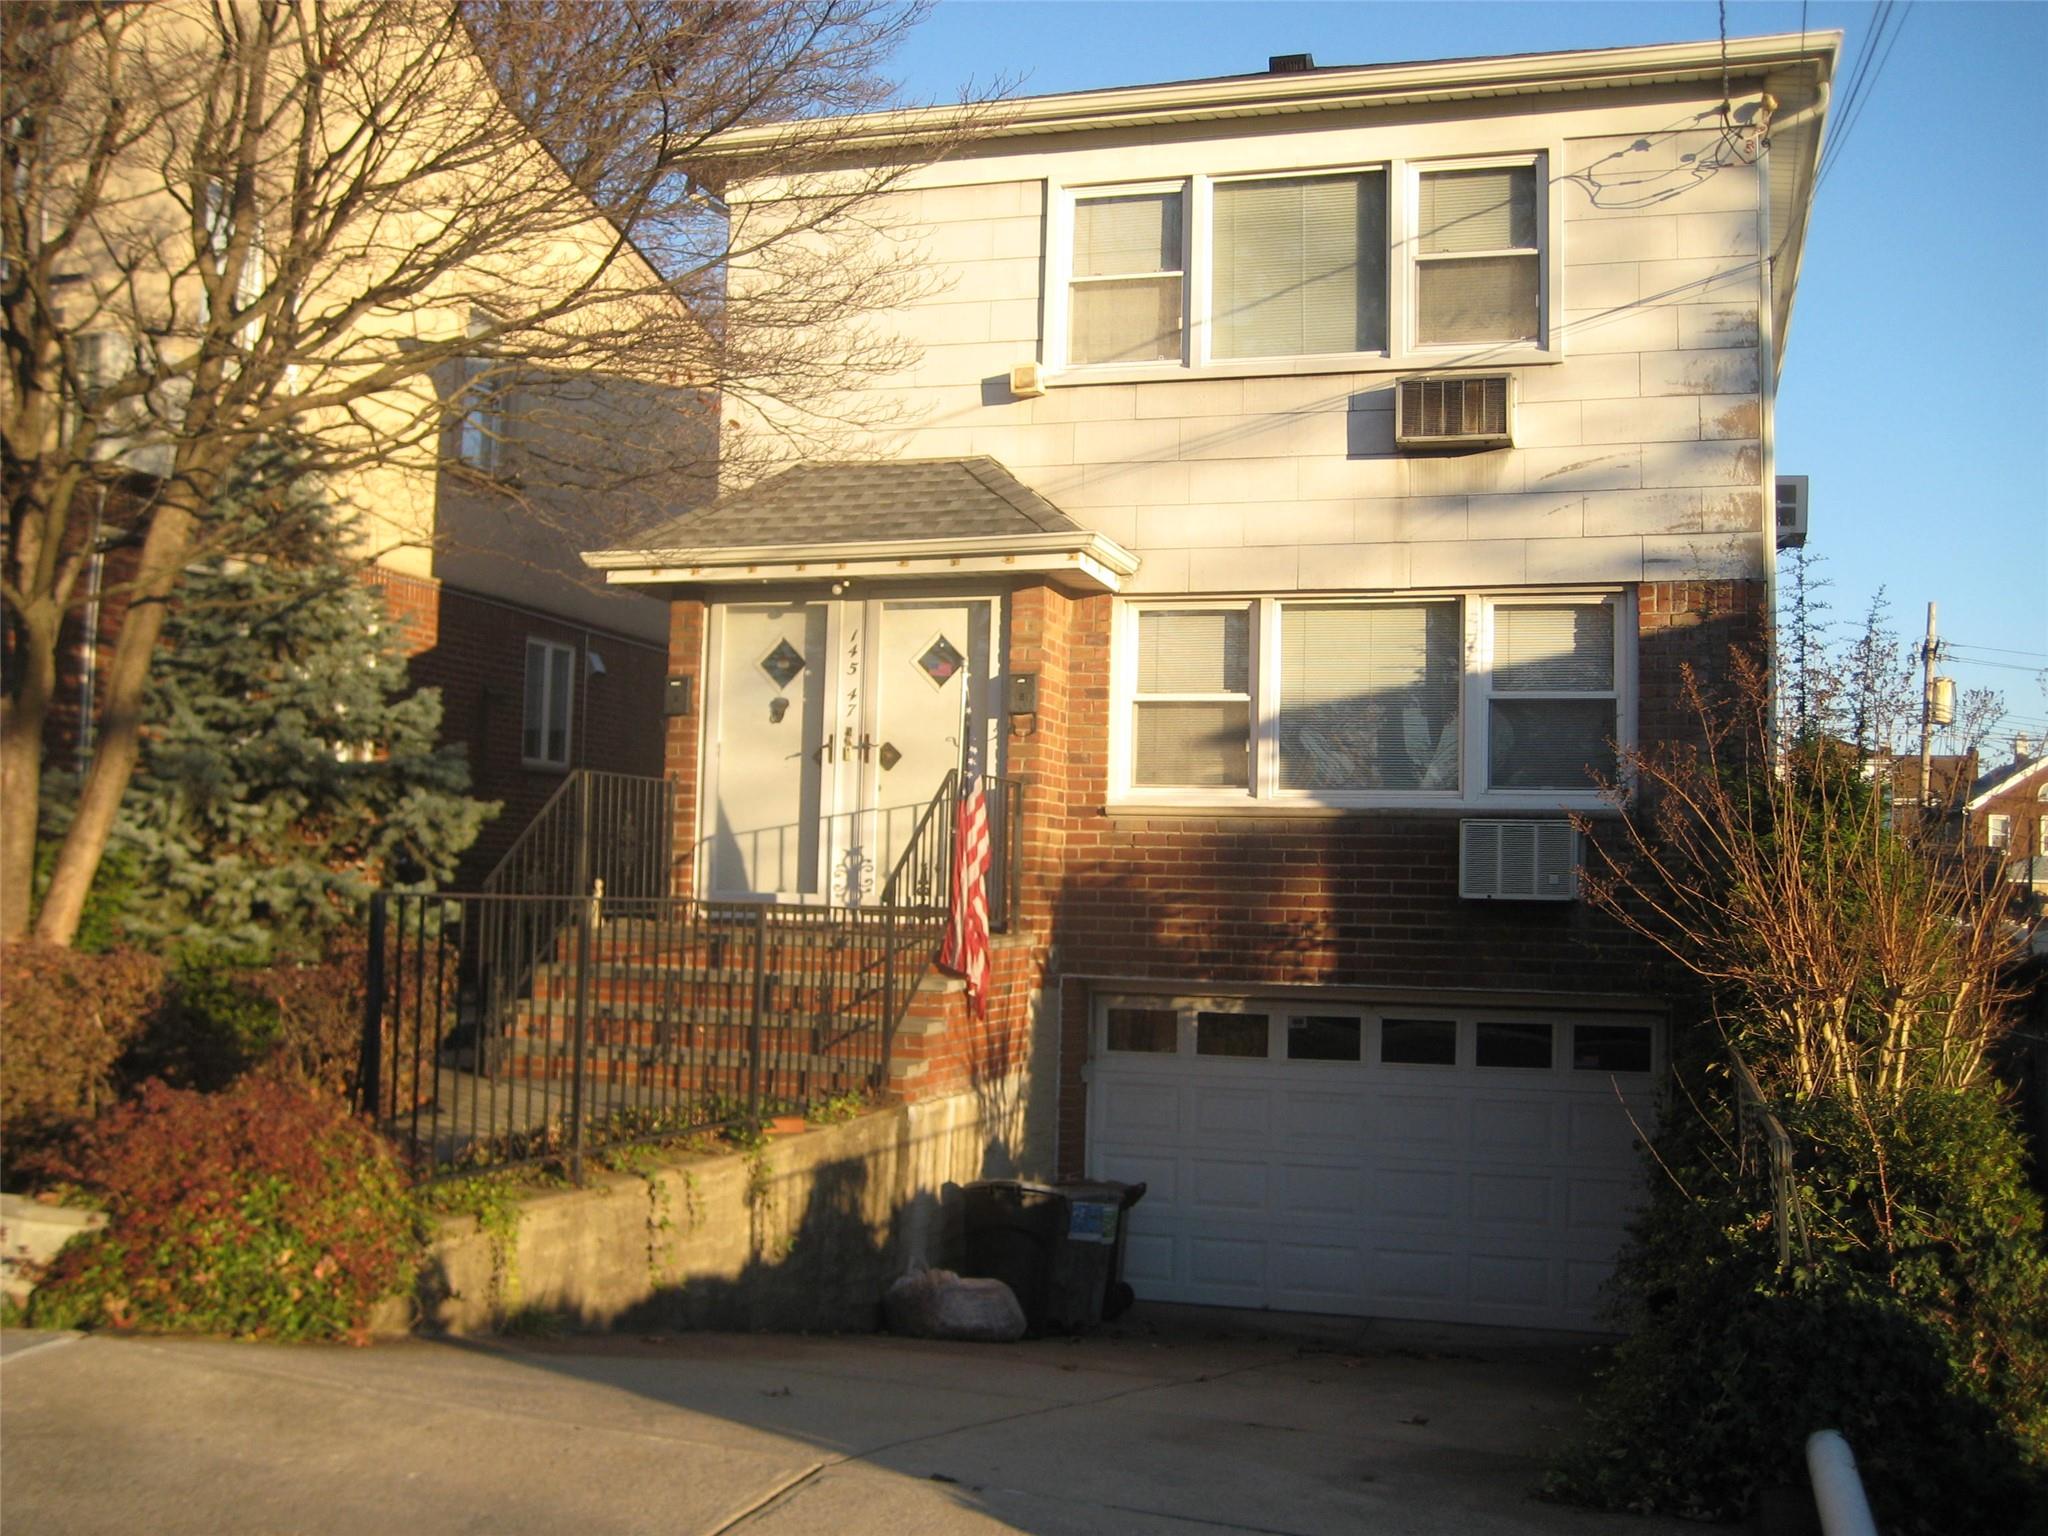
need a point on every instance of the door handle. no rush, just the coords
(824, 752)
(867, 745)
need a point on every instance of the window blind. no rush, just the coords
(1194, 651)
(1300, 266)
(1553, 648)
(1116, 236)
(1489, 209)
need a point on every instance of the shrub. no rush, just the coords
(262, 1211)
(69, 1020)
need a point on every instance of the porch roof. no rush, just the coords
(900, 519)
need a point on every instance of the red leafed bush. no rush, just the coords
(263, 1211)
(66, 1020)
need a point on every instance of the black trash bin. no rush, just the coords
(1059, 1248)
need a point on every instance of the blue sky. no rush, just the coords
(1913, 391)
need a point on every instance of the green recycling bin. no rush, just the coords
(1059, 1247)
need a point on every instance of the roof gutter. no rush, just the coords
(1079, 561)
(1317, 90)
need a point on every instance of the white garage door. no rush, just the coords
(1387, 1161)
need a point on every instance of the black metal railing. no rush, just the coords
(618, 828)
(504, 1028)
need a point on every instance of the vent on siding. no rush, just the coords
(1518, 861)
(1475, 411)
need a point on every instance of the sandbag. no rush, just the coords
(938, 1304)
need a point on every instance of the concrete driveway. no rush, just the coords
(1176, 1422)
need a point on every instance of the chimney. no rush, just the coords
(2023, 749)
(1290, 63)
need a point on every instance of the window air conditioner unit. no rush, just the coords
(1470, 411)
(1518, 861)
(1791, 511)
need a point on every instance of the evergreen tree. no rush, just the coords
(286, 768)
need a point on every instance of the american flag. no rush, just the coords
(965, 952)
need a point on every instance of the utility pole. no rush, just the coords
(1927, 719)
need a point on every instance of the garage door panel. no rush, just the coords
(1137, 1106)
(1330, 1192)
(1517, 1126)
(1523, 1200)
(1226, 1263)
(1603, 1205)
(1415, 1194)
(1320, 1120)
(1416, 1275)
(1417, 1120)
(1148, 1261)
(1160, 1175)
(1603, 1129)
(1319, 1274)
(1237, 1188)
(1244, 1113)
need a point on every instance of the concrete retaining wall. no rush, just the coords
(802, 1236)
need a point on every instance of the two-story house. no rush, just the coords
(1312, 481)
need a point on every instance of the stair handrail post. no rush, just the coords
(581, 881)
(888, 995)
(758, 1003)
(579, 1064)
(370, 1054)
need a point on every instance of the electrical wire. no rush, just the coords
(1863, 86)
(1996, 650)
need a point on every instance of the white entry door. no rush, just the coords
(829, 727)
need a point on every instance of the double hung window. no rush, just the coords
(1235, 270)
(1441, 700)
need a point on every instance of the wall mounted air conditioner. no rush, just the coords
(1791, 511)
(1474, 410)
(1518, 861)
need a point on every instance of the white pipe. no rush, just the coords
(1837, 1486)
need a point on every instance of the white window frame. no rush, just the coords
(480, 427)
(1997, 830)
(548, 650)
(1410, 305)
(1401, 352)
(1264, 794)
(1255, 642)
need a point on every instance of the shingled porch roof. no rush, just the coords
(904, 519)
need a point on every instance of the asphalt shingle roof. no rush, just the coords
(907, 500)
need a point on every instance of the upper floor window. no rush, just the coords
(1241, 269)
(1126, 303)
(1478, 267)
(1998, 831)
(1371, 701)
(480, 426)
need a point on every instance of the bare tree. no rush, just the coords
(389, 237)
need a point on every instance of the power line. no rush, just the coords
(1853, 111)
(1997, 650)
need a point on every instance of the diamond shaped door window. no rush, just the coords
(941, 661)
(783, 663)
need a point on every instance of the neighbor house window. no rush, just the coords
(544, 738)
(1213, 270)
(1126, 299)
(480, 422)
(1362, 701)
(1998, 831)
(1478, 264)
(1300, 266)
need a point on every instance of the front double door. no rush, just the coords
(829, 726)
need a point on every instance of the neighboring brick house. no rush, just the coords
(1294, 673)
(2006, 813)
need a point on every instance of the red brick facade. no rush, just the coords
(1188, 901)
(474, 650)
